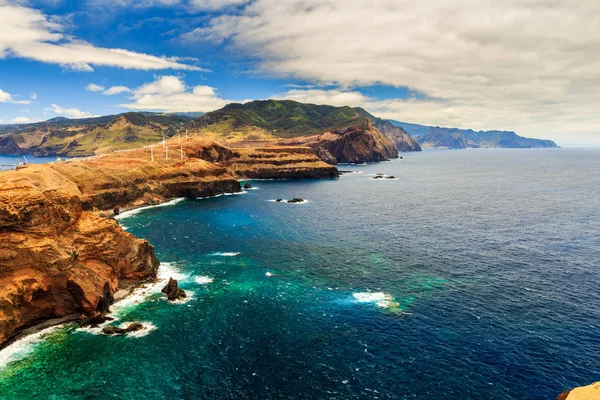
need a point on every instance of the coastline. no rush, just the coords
(123, 294)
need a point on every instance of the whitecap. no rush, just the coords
(129, 213)
(382, 300)
(225, 254)
(268, 274)
(24, 346)
(203, 280)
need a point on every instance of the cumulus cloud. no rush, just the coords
(116, 90)
(170, 93)
(92, 87)
(27, 33)
(8, 98)
(528, 65)
(70, 112)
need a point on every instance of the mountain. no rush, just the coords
(403, 141)
(89, 136)
(336, 134)
(454, 138)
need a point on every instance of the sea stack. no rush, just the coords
(173, 291)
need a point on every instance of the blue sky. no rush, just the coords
(475, 64)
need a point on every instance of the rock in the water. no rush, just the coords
(115, 330)
(173, 291)
(378, 177)
(402, 158)
(296, 200)
(391, 177)
(279, 200)
(247, 185)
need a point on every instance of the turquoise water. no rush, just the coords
(472, 276)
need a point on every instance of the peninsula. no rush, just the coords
(62, 255)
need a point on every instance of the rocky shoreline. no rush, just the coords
(63, 256)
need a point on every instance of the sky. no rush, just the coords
(531, 66)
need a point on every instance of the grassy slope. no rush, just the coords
(281, 119)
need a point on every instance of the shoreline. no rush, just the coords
(128, 289)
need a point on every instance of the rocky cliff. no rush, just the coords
(60, 252)
(349, 145)
(590, 392)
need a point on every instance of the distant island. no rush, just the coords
(455, 138)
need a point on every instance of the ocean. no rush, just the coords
(471, 275)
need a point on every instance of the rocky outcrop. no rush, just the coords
(402, 140)
(60, 253)
(8, 145)
(173, 291)
(349, 145)
(115, 330)
(589, 392)
(57, 259)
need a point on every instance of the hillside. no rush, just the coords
(336, 134)
(403, 141)
(279, 118)
(454, 138)
(90, 136)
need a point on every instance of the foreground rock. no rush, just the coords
(590, 392)
(59, 253)
(296, 200)
(114, 330)
(173, 291)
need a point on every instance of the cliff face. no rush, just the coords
(402, 140)
(60, 254)
(589, 392)
(55, 258)
(8, 145)
(349, 145)
(455, 138)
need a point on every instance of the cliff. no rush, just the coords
(60, 252)
(454, 138)
(590, 392)
(336, 134)
(403, 141)
(350, 145)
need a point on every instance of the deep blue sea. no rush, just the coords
(473, 275)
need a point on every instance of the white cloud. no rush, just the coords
(33, 96)
(169, 93)
(27, 33)
(70, 112)
(21, 120)
(528, 65)
(185, 5)
(116, 90)
(8, 98)
(92, 87)
(4, 97)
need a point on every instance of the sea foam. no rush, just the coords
(225, 254)
(24, 346)
(129, 213)
(203, 280)
(382, 300)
